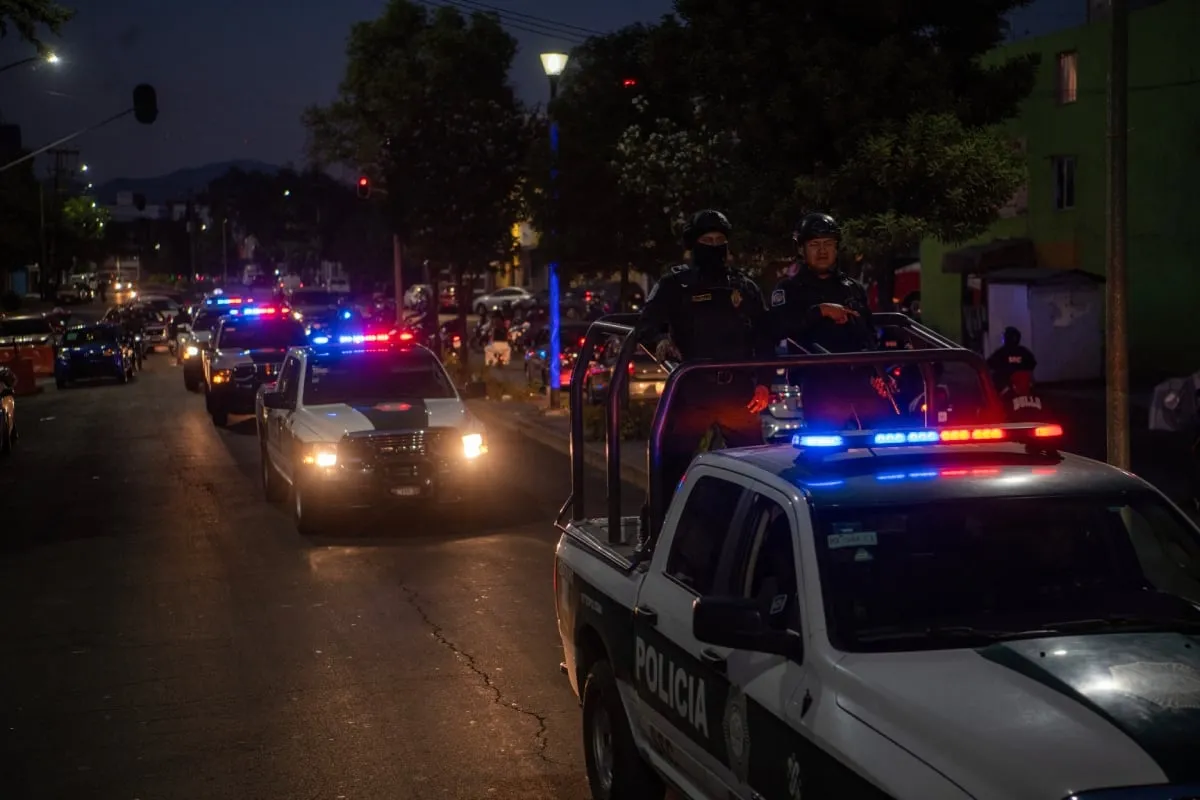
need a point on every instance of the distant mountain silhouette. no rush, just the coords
(176, 185)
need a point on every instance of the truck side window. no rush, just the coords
(289, 379)
(700, 535)
(768, 570)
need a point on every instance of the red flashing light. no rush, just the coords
(363, 181)
(630, 367)
(582, 339)
(973, 473)
(1048, 431)
(973, 435)
(377, 337)
(629, 83)
(406, 337)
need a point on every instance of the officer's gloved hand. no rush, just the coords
(838, 313)
(760, 401)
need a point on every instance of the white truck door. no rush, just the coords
(681, 686)
(278, 432)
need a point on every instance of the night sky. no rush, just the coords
(234, 75)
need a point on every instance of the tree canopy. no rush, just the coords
(427, 110)
(29, 17)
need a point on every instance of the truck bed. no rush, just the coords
(592, 535)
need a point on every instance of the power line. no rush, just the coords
(531, 17)
(571, 38)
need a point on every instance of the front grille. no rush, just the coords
(266, 370)
(388, 449)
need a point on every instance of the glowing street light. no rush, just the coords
(554, 63)
(83, 167)
(47, 57)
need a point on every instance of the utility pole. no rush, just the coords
(398, 276)
(1116, 286)
(66, 163)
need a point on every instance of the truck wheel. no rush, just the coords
(273, 486)
(615, 768)
(191, 384)
(310, 518)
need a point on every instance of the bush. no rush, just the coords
(10, 301)
(636, 421)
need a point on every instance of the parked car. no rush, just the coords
(95, 351)
(500, 300)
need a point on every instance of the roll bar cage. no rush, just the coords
(658, 495)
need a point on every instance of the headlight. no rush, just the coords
(473, 445)
(191, 352)
(296, 315)
(222, 375)
(322, 455)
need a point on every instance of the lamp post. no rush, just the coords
(554, 64)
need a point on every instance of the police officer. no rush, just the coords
(710, 311)
(1009, 360)
(821, 307)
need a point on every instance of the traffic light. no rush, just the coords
(364, 187)
(629, 83)
(145, 103)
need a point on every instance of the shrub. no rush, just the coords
(636, 421)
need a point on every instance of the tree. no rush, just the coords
(82, 231)
(594, 109)
(802, 84)
(427, 109)
(674, 170)
(28, 16)
(930, 176)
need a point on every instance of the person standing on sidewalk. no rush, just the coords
(709, 310)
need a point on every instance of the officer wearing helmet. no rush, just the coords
(711, 311)
(823, 308)
(1009, 360)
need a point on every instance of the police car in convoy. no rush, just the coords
(366, 420)
(920, 614)
(247, 350)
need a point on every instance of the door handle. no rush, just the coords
(646, 614)
(713, 659)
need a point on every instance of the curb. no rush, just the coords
(631, 473)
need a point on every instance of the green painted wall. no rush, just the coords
(1164, 181)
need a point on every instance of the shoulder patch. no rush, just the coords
(678, 268)
(778, 297)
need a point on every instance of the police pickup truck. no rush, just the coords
(247, 351)
(364, 422)
(917, 613)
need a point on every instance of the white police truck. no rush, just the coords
(917, 613)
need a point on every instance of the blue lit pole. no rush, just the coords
(554, 64)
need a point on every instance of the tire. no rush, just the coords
(309, 517)
(274, 489)
(623, 774)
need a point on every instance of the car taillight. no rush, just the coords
(630, 370)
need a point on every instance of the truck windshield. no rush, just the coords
(937, 574)
(360, 380)
(277, 334)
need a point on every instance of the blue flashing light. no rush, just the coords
(818, 440)
(907, 437)
(320, 340)
(823, 484)
(346, 315)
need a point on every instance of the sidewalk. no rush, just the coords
(530, 420)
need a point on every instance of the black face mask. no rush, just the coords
(710, 257)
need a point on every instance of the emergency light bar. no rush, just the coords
(1011, 432)
(223, 301)
(370, 337)
(253, 312)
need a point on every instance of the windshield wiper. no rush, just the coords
(946, 632)
(1124, 621)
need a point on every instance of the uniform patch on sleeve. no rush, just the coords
(778, 297)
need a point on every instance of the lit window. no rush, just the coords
(1064, 182)
(1068, 77)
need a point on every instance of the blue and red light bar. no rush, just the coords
(1020, 432)
(269, 311)
(366, 338)
(225, 301)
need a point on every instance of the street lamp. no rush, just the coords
(553, 64)
(49, 58)
(83, 167)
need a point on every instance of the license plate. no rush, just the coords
(407, 491)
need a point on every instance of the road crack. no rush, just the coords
(542, 734)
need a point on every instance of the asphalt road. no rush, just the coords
(168, 634)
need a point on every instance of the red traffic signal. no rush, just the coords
(364, 187)
(629, 83)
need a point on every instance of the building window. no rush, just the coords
(1068, 77)
(1064, 182)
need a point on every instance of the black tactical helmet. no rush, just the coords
(1012, 336)
(707, 221)
(816, 226)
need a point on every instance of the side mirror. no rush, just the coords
(277, 401)
(8, 378)
(737, 623)
(475, 390)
